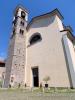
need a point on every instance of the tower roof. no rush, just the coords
(18, 7)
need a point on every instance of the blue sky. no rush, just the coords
(35, 7)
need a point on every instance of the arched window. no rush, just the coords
(23, 14)
(36, 37)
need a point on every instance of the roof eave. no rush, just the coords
(69, 34)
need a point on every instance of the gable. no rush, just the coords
(42, 22)
(50, 14)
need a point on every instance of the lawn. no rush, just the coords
(36, 94)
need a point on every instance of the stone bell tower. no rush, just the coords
(15, 64)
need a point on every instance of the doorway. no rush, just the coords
(35, 75)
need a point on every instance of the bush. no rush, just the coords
(1, 82)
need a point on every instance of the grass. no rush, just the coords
(45, 90)
(54, 90)
(37, 94)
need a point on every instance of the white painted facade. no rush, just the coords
(44, 54)
(48, 54)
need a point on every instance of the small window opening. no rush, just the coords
(22, 23)
(21, 31)
(23, 14)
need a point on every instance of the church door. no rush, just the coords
(35, 77)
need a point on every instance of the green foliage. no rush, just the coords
(46, 79)
(1, 82)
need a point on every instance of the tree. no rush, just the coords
(46, 79)
(1, 82)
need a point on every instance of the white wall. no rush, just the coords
(60, 24)
(47, 54)
(70, 56)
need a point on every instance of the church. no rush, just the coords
(43, 47)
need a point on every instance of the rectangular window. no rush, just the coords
(22, 23)
(21, 31)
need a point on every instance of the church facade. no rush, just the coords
(44, 47)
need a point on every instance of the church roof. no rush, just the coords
(69, 31)
(54, 12)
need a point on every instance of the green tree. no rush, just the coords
(46, 79)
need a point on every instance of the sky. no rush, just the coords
(35, 8)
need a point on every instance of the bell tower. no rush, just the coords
(15, 64)
(20, 20)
